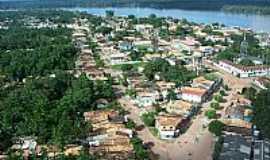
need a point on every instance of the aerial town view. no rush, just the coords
(111, 83)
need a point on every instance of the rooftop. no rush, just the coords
(194, 91)
(235, 147)
(246, 68)
(169, 120)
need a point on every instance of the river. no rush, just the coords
(258, 23)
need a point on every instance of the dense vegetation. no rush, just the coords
(262, 112)
(26, 52)
(177, 73)
(247, 9)
(38, 97)
(50, 108)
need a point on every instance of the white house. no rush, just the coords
(146, 98)
(197, 95)
(244, 71)
(118, 58)
(168, 126)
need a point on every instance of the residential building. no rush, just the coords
(168, 126)
(196, 95)
(109, 138)
(125, 46)
(147, 97)
(165, 87)
(180, 107)
(118, 58)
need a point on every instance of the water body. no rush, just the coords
(258, 23)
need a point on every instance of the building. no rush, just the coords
(196, 95)
(180, 107)
(262, 82)
(94, 73)
(237, 126)
(261, 150)
(238, 112)
(165, 87)
(28, 146)
(147, 97)
(125, 45)
(168, 126)
(118, 58)
(209, 85)
(244, 71)
(235, 147)
(109, 138)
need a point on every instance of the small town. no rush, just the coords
(132, 88)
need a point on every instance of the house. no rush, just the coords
(207, 50)
(165, 87)
(144, 29)
(125, 46)
(262, 82)
(180, 107)
(118, 58)
(100, 116)
(197, 95)
(109, 138)
(28, 145)
(238, 112)
(147, 97)
(114, 147)
(143, 44)
(168, 126)
(210, 85)
(72, 150)
(94, 73)
(235, 147)
(244, 71)
(240, 100)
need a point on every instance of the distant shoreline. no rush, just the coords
(233, 6)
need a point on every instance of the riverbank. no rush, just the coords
(258, 23)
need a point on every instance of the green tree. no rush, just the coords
(171, 95)
(246, 62)
(149, 118)
(215, 105)
(211, 114)
(216, 127)
(262, 110)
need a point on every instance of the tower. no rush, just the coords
(244, 47)
(154, 39)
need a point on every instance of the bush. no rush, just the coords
(222, 93)
(216, 127)
(140, 152)
(226, 87)
(130, 124)
(215, 105)
(211, 114)
(219, 98)
(149, 119)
